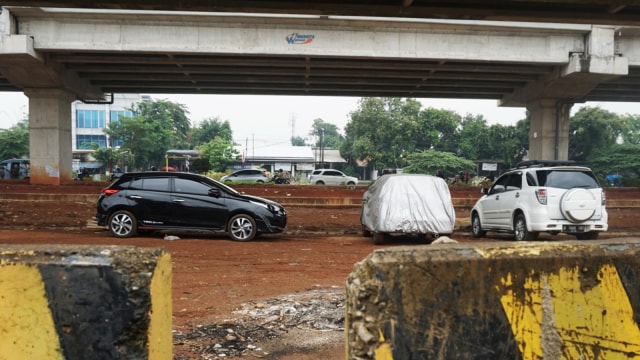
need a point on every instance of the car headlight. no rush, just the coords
(267, 206)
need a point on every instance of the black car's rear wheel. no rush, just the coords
(242, 227)
(123, 224)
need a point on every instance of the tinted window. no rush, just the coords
(152, 184)
(332, 173)
(317, 172)
(567, 179)
(515, 182)
(500, 185)
(191, 187)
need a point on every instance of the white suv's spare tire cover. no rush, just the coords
(578, 205)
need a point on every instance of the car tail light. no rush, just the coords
(541, 194)
(109, 192)
(604, 199)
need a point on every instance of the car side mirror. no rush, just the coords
(484, 191)
(214, 193)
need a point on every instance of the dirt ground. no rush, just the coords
(251, 299)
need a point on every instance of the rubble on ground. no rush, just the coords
(256, 323)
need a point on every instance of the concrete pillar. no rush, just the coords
(70, 302)
(549, 134)
(50, 135)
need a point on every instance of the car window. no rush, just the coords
(531, 181)
(332, 173)
(500, 185)
(190, 186)
(514, 182)
(152, 184)
(316, 172)
(564, 179)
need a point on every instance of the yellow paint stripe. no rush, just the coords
(383, 351)
(27, 329)
(553, 318)
(159, 333)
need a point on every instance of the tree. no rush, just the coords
(383, 130)
(623, 159)
(297, 141)
(108, 156)
(147, 136)
(326, 134)
(219, 152)
(430, 161)
(14, 142)
(590, 129)
(209, 129)
(172, 116)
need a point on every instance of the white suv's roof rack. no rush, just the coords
(544, 163)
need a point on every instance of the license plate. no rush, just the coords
(573, 228)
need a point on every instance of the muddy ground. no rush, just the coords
(278, 297)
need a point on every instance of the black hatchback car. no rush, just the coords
(148, 201)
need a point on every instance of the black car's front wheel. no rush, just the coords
(123, 224)
(242, 227)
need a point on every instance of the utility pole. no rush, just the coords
(292, 123)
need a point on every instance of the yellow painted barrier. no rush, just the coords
(502, 300)
(85, 302)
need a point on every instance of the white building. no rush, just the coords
(88, 121)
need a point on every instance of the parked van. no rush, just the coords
(14, 169)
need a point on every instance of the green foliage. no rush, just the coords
(157, 127)
(297, 141)
(14, 142)
(593, 128)
(622, 159)
(107, 156)
(219, 152)
(430, 161)
(327, 134)
(208, 130)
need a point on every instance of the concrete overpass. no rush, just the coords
(58, 55)
(613, 12)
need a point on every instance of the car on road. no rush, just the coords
(178, 201)
(15, 169)
(331, 177)
(408, 205)
(246, 176)
(542, 196)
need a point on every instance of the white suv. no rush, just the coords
(542, 196)
(331, 177)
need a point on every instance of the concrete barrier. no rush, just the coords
(538, 300)
(80, 303)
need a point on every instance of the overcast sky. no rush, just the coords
(273, 119)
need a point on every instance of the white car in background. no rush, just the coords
(331, 177)
(542, 196)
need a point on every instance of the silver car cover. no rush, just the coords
(410, 204)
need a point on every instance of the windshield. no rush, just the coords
(567, 179)
(224, 187)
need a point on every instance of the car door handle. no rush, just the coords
(178, 200)
(497, 197)
(135, 197)
(517, 195)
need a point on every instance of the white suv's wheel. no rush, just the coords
(578, 205)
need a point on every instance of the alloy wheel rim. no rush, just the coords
(121, 224)
(241, 228)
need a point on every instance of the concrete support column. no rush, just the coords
(50, 135)
(549, 134)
